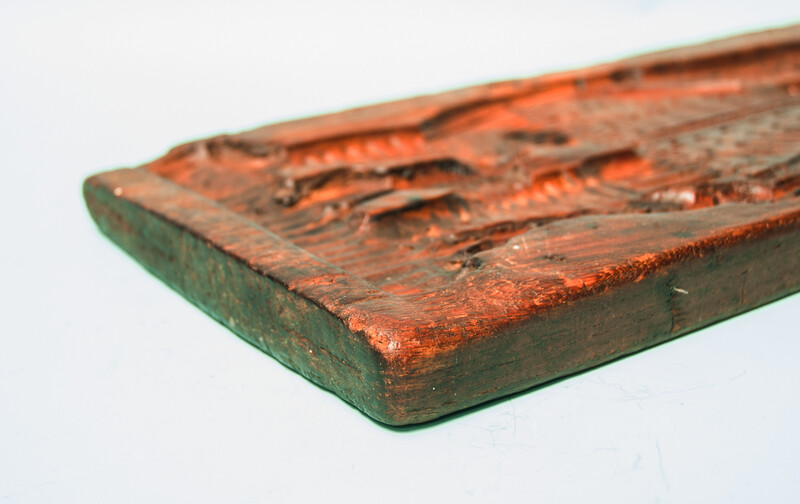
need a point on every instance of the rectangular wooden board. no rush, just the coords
(422, 256)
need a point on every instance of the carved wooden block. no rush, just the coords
(426, 255)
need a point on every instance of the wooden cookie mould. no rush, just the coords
(422, 256)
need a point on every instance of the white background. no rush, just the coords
(115, 389)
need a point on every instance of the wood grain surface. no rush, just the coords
(426, 255)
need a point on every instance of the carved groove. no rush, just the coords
(415, 207)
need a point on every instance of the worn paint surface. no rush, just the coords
(422, 256)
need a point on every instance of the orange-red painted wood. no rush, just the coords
(426, 255)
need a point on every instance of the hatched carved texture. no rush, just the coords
(415, 196)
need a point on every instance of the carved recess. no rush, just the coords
(408, 197)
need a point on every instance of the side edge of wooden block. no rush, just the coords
(292, 329)
(591, 331)
(557, 342)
